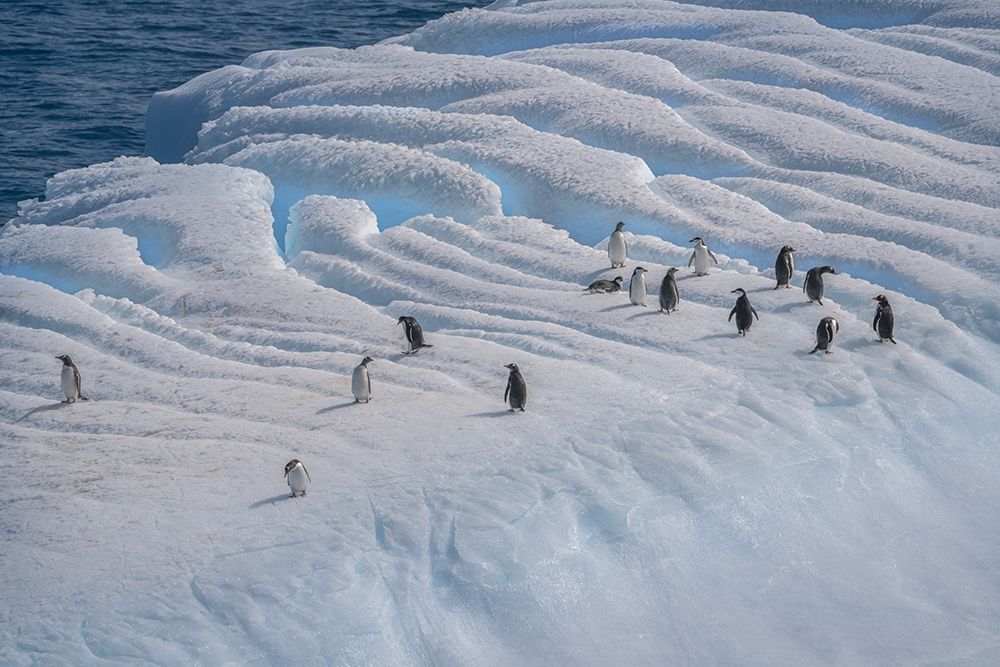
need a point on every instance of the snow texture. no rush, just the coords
(674, 493)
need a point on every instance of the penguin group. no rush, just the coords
(701, 257)
(516, 393)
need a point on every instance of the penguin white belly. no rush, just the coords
(69, 383)
(360, 384)
(637, 290)
(616, 249)
(700, 260)
(297, 480)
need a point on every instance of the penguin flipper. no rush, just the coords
(731, 313)
(307, 475)
(754, 311)
(712, 256)
(506, 392)
(814, 350)
(690, 260)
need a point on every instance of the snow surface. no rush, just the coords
(674, 494)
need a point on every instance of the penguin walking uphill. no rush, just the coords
(617, 249)
(743, 311)
(361, 383)
(813, 286)
(784, 267)
(414, 334)
(700, 257)
(828, 326)
(637, 287)
(669, 296)
(297, 477)
(70, 380)
(516, 392)
(883, 322)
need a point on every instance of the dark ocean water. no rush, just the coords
(76, 75)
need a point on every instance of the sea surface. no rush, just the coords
(76, 75)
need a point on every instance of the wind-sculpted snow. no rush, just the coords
(674, 493)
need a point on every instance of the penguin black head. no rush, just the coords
(291, 464)
(828, 269)
(672, 270)
(697, 238)
(619, 226)
(740, 291)
(65, 359)
(403, 318)
(366, 361)
(787, 248)
(881, 298)
(638, 269)
(513, 368)
(619, 279)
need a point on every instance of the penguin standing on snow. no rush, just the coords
(700, 257)
(637, 287)
(605, 286)
(784, 267)
(882, 324)
(516, 392)
(414, 334)
(743, 311)
(617, 250)
(361, 384)
(297, 476)
(70, 380)
(813, 286)
(824, 334)
(669, 296)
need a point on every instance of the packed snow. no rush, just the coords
(674, 493)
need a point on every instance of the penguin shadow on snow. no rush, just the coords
(645, 312)
(338, 406)
(788, 307)
(273, 500)
(492, 414)
(620, 306)
(41, 408)
(720, 335)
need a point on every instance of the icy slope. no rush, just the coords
(674, 494)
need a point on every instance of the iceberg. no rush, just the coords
(673, 494)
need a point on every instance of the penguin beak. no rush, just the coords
(508, 365)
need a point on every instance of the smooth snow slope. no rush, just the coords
(674, 494)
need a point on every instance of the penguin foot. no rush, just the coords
(892, 341)
(293, 495)
(357, 400)
(511, 410)
(522, 409)
(303, 493)
(829, 351)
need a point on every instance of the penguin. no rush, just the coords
(637, 287)
(361, 384)
(297, 477)
(605, 286)
(700, 257)
(414, 334)
(516, 391)
(813, 286)
(784, 267)
(70, 380)
(824, 334)
(669, 296)
(617, 249)
(882, 324)
(743, 311)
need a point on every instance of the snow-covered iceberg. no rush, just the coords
(674, 494)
